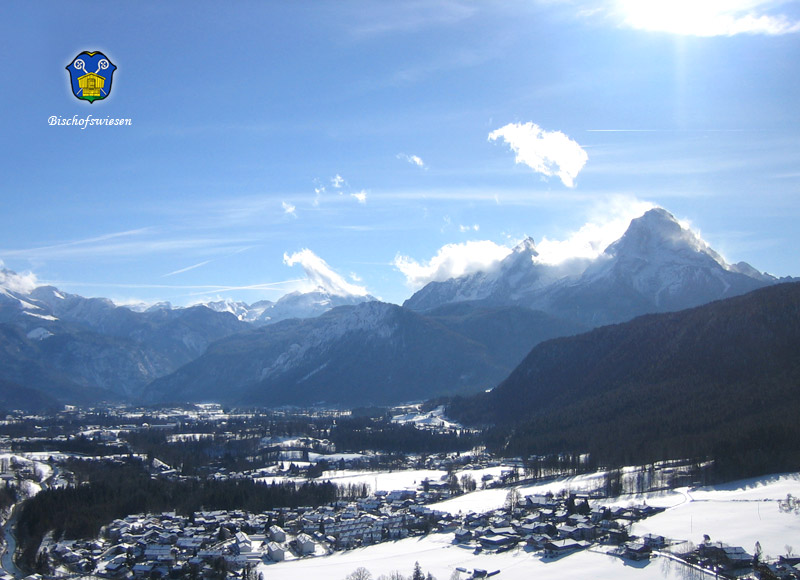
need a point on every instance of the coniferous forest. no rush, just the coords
(113, 490)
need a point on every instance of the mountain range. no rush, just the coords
(463, 335)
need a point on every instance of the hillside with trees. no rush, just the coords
(719, 381)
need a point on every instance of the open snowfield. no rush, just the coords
(739, 513)
(390, 480)
(438, 555)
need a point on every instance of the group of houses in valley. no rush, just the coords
(217, 544)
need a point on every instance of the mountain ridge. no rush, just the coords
(686, 383)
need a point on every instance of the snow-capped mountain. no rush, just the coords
(241, 310)
(76, 349)
(292, 305)
(457, 336)
(517, 276)
(656, 266)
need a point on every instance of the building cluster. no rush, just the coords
(206, 543)
(556, 526)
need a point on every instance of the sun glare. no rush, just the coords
(703, 17)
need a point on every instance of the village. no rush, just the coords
(236, 543)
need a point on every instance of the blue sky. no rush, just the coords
(374, 146)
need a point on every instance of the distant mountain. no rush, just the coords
(77, 349)
(720, 380)
(292, 305)
(516, 280)
(657, 266)
(371, 353)
(462, 335)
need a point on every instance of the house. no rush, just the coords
(728, 557)
(243, 542)
(494, 542)
(276, 534)
(538, 541)
(654, 541)
(540, 501)
(637, 550)
(554, 548)
(275, 552)
(305, 544)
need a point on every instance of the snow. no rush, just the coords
(433, 418)
(739, 513)
(381, 480)
(39, 333)
(335, 457)
(42, 316)
(437, 554)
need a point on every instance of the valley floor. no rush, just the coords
(739, 514)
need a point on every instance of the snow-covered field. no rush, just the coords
(438, 555)
(389, 480)
(739, 513)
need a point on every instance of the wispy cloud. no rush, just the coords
(412, 159)
(361, 196)
(472, 228)
(187, 269)
(201, 288)
(320, 274)
(337, 181)
(289, 209)
(606, 223)
(138, 242)
(546, 152)
(22, 283)
(451, 261)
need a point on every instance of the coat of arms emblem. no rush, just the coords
(90, 75)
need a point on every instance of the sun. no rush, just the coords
(703, 17)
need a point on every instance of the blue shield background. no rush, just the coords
(91, 64)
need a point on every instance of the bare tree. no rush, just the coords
(360, 573)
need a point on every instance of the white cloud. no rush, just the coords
(337, 181)
(606, 224)
(288, 208)
(412, 159)
(546, 152)
(320, 274)
(706, 17)
(22, 283)
(361, 196)
(607, 221)
(188, 268)
(472, 228)
(451, 261)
